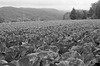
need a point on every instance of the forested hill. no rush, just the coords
(27, 14)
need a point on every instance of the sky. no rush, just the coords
(57, 4)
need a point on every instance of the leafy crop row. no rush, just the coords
(62, 45)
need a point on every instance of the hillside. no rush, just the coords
(28, 14)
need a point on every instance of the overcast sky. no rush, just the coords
(58, 4)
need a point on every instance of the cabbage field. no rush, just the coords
(50, 43)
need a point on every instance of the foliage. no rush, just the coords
(74, 44)
(95, 10)
(73, 14)
(66, 16)
(76, 14)
(2, 20)
(91, 12)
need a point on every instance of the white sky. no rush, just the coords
(58, 4)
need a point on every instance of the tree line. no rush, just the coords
(93, 13)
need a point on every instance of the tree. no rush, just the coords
(78, 15)
(84, 15)
(94, 11)
(81, 14)
(91, 12)
(97, 11)
(66, 16)
(73, 14)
